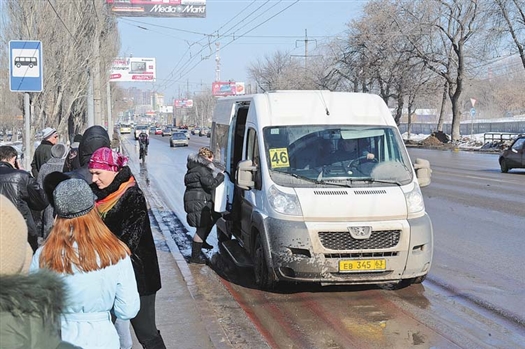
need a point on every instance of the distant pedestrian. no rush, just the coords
(115, 141)
(55, 163)
(94, 137)
(72, 161)
(123, 208)
(43, 151)
(30, 305)
(95, 266)
(22, 189)
(201, 178)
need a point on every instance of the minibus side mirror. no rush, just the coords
(423, 172)
(245, 172)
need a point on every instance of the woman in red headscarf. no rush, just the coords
(122, 206)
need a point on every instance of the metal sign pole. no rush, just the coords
(27, 136)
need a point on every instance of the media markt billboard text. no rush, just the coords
(158, 8)
(133, 69)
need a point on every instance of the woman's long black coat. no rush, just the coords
(129, 221)
(200, 179)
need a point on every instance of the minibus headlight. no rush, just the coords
(284, 203)
(415, 203)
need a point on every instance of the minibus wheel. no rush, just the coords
(264, 278)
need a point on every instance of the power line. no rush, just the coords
(60, 18)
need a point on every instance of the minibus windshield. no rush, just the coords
(344, 154)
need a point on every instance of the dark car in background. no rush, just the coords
(178, 139)
(513, 156)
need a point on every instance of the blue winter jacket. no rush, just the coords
(91, 297)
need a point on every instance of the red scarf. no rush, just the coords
(106, 204)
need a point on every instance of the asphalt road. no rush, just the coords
(473, 297)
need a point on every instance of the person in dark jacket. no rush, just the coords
(56, 163)
(94, 137)
(30, 305)
(43, 151)
(22, 189)
(72, 161)
(201, 178)
(122, 206)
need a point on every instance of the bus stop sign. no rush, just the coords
(25, 66)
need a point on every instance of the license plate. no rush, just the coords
(362, 264)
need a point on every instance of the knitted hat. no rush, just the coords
(73, 198)
(15, 251)
(58, 151)
(48, 132)
(107, 159)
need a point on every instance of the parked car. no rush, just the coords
(158, 131)
(166, 131)
(178, 139)
(514, 155)
(195, 131)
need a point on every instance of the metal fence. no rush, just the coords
(467, 128)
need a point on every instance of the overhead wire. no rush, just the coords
(60, 18)
(186, 72)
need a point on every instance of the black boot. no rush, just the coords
(196, 257)
(206, 245)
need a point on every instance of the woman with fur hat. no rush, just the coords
(30, 305)
(200, 180)
(122, 205)
(95, 265)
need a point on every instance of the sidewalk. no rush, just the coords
(178, 317)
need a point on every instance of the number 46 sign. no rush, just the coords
(279, 157)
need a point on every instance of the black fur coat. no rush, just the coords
(200, 179)
(129, 221)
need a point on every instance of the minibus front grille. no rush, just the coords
(344, 241)
(361, 255)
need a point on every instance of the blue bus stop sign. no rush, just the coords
(25, 66)
(472, 112)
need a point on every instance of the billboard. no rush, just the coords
(158, 8)
(183, 103)
(227, 88)
(133, 69)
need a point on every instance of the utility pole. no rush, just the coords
(96, 81)
(217, 62)
(306, 40)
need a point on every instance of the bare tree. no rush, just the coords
(445, 28)
(67, 30)
(508, 17)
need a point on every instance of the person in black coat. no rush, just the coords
(43, 151)
(122, 206)
(22, 190)
(94, 137)
(72, 161)
(201, 178)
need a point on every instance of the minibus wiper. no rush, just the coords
(373, 180)
(316, 181)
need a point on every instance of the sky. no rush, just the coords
(246, 30)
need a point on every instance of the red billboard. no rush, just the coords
(183, 103)
(227, 88)
(158, 8)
